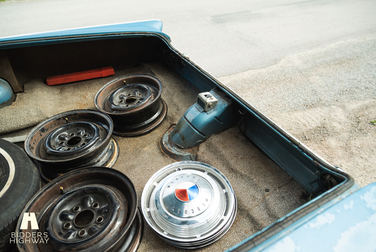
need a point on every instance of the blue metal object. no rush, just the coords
(344, 224)
(148, 26)
(211, 114)
(303, 168)
(6, 93)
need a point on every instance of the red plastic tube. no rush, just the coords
(80, 76)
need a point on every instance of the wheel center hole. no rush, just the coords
(130, 100)
(74, 140)
(84, 218)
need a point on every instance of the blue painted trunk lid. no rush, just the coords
(148, 26)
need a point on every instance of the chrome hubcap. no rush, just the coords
(189, 204)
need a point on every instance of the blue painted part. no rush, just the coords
(6, 92)
(192, 192)
(285, 152)
(345, 226)
(150, 26)
(214, 121)
(197, 124)
(185, 135)
(301, 166)
(193, 73)
(308, 229)
(290, 158)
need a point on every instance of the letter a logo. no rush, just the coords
(29, 217)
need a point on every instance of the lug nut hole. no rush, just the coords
(100, 219)
(95, 205)
(82, 233)
(67, 225)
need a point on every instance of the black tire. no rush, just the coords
(19, 181)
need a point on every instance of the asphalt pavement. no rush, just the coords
(309, 65)
(223, 37)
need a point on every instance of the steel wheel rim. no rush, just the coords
(134, 103)
(71, 140)
(97, 197)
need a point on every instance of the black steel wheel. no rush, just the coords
(134, 103)
(88, 209)
(71, 140)
(19, 180)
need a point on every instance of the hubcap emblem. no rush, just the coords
(186, 191)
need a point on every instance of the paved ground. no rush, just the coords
(309, 65)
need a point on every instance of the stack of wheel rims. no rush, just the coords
(85, 206)
(134, 103)
(88, 209)
(72, 140)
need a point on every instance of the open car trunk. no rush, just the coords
(272, 174)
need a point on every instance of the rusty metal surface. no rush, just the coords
(90, 209)
(70, 140)
(134, 103)
(134, 235)
(173, 151)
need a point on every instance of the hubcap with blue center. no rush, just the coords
(187, 194)
(189, 204)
